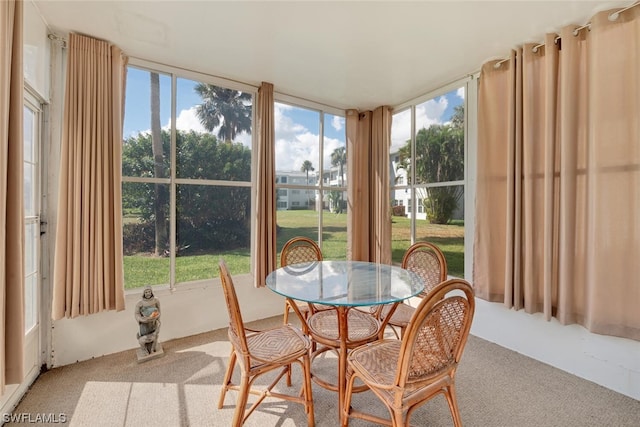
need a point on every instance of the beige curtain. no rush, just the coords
(11, 196)
(265, 241)
(558, 191)
(88, 272)
(369, 206)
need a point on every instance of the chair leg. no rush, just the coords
(243, 397)
(450, 394)
(395, 332)
(308, 392)
(227, 378)
(286, 320)
(286, 312)
(397, 419)
(347, 399)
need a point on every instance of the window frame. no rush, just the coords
(319, 187)
(470, 83)
(173, 181)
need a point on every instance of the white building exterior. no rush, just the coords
(401, 193)
(295, 198)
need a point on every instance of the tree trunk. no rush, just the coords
(158, 159)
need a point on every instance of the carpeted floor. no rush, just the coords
(495, 386)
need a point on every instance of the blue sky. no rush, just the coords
(437, 110)
(297, 129)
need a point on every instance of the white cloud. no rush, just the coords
(330, 145)
(427, 114)
(460, 92)
(430, 112)
(188, 120)
(337, 123)
(284, 126)
(244, 138)
(295, 143)
(400, 129)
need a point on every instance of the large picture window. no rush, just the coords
(428, 176)
(186, 166)
(311, 159)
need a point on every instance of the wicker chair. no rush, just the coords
(406, 373)
(296, 250)
(427, 261)
(259, 352)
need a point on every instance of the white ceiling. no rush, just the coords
(349, 54)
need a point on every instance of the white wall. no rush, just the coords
(36, 51)
(190, 309)
(609, 361)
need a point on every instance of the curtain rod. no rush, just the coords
(612, 17)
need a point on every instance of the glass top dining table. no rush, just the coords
(344, 285)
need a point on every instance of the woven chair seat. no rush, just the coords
(401, 316)
(374, 361)
(323, 325)
(278, 345)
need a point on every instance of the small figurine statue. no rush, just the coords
(147, 313)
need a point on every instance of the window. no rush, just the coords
(186, 193)
(311, 161)
(429, 167)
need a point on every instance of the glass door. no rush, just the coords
(32, 253)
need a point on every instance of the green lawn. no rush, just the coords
(144, 269)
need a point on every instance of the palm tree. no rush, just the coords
(439, 158)
(339, 158)
(232, 106)
(158, 160)
(306, 167)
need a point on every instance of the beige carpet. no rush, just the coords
(496, 387)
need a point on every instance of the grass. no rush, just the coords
(143, 269)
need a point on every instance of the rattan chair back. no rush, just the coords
(300, 249)
(297, 250)
(237, 334)
(427, 261)
(437, 333)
